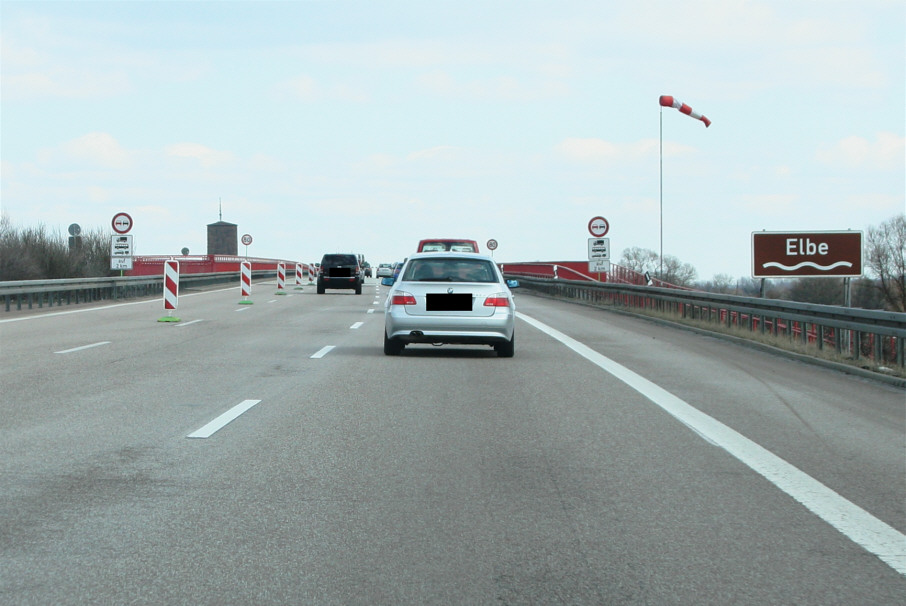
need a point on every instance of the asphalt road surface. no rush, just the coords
(611, 461)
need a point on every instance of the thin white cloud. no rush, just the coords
(93, 150)
(497, 88)
(208, 157)
(769, 204)
(308, 89)
(438, 152)
(593, 150)
(886, 152)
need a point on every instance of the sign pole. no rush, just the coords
(661, 190)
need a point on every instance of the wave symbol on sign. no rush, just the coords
(808, 264)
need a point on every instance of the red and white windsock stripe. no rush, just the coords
(281, 276)
(668, 101)
(245, 271)
(171, 284)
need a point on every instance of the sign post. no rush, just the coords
(599, 256)
(121, 245)
(598, 247)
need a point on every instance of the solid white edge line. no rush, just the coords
(874, 535)
(156, 300)
(221, 421)
(65, 351)
(323, 351)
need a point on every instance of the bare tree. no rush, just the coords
(825, 291)
(640, 260)
(644, 260)
(885, 251)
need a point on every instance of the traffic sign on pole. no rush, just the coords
(122, 223)
(598, 227)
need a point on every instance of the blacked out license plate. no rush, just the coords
(448, 302)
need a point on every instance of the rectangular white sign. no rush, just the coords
(120, 262)
(598, 249)
(121, 246)
(599, 266)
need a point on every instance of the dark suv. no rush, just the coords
(340, 271)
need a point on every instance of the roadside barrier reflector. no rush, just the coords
(281, 278)
(298, 276)
(171, 289)
(245, 279)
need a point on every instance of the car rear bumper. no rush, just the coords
(429, 329)
(338, 282)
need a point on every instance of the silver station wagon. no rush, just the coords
(447, 297)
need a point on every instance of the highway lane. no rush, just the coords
(445, 475)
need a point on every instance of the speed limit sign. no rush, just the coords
(492, 244)
(246, 239)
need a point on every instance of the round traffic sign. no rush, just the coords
(246, 239)
(122, 223)
(492, 244)
(598, 227)
(75, 229)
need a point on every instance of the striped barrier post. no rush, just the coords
(171, 289)
(245, 279)
(281, 278)
(311, 273)
(298, 276)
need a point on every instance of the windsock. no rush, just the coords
(668, 101)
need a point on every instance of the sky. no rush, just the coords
(365, 126)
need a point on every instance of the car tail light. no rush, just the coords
(499, 299)
(402, 298)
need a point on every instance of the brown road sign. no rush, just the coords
(810, 253)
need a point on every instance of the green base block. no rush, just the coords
(298, 288)
(169, 319)
(246, 302)
(280, 292)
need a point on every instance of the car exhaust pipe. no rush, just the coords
(417, 334)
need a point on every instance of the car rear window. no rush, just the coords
(335, 260)
(451, 245)
(450, 270)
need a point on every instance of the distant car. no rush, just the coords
(449, 244)
(455, 298)
(368, 272)
(397, 267)
(340, 271)
(384, 270)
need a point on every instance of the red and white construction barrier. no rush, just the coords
(171, 289)
(281, 278)
(298, 275)
(245, 280)
(311, 273)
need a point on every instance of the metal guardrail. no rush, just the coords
(70, 291)
(878, 335)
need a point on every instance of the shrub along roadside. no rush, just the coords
(36, 253)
